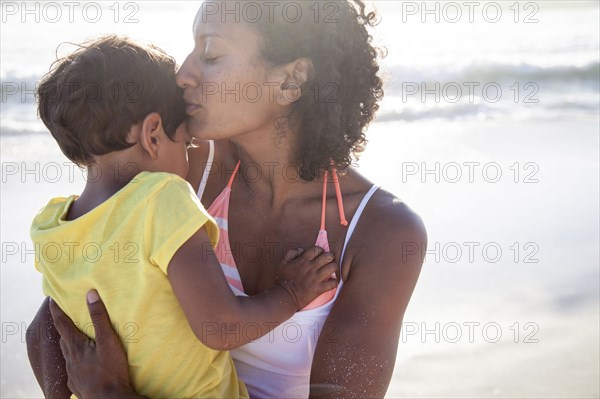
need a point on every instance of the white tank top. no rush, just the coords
(278, 364)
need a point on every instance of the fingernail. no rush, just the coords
(92, 296)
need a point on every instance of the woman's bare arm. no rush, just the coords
(356, 351)
(45, 356)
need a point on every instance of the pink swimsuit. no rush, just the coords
(278, 364)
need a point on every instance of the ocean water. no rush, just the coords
(489, 129)
(445, 60)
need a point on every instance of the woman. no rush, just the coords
(286, 96)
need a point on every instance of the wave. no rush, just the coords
(16, 88)
(562, 89)
(588, 74)
(556, 108)
(12, 132)
(528, 91)
(466, 112)
(476, 72)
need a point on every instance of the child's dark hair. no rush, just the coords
(91, 98)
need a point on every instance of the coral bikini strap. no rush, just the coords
(233, 175)
(323, 202)
(338, 193)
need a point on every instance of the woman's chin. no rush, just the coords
(206, 132)
(205, 135)
(198, 130)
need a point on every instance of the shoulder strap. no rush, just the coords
(209, 162)
(356, 217)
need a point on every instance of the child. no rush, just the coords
(139, 235)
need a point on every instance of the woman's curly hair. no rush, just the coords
(340, 100)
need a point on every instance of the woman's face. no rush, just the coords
(228, 87)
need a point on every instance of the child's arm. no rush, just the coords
(222, 320)
(45, 355)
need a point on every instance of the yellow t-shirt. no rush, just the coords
(122, 248)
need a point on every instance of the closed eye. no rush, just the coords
(210, 60)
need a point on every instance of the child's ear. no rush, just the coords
(151, 134)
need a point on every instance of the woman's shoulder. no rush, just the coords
(387, 213)
(390, 232)
(401, 230)
(390, 211)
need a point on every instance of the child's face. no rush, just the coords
(176, 160)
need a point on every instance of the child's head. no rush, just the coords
(91, 99)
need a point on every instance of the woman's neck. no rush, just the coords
(269, 168)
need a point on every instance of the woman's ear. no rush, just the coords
(151, 134)
(294, 74)
(303, 71)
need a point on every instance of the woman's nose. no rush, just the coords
(186, 75)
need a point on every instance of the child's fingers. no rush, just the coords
(328, 285)
(292, 254)
(289, 254)
(312, 253)
(324, 258)
(326, 271)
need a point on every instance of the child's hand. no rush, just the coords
(307, 274)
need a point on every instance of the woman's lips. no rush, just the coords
(191, 108)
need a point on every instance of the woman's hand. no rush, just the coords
(95, 369)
